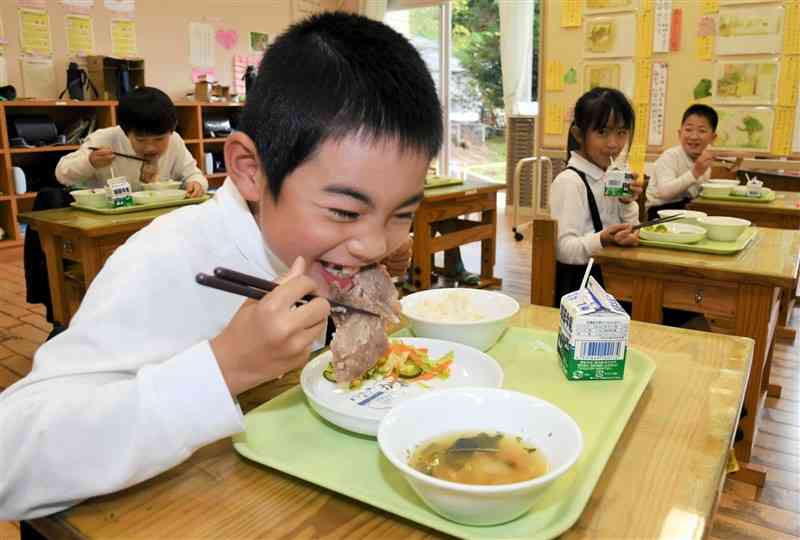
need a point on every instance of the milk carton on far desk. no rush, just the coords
(593, 335)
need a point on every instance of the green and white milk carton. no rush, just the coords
(593, 335)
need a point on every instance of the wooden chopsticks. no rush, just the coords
(120, 154)
(657, 221)
(225, 279)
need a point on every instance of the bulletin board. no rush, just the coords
(742, 57)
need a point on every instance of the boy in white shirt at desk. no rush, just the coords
(324, 178)
(680, 170)
(147, 121)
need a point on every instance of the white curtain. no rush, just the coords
(516, 52)
(374, 9)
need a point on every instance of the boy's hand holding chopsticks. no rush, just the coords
(270, 337)
(101, 157)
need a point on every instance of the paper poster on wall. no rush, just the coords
(2, 32)
(748, 29)
(259, 41)
(609, 37)
(554, 117)
(34, 32)
(745, 82)
(120, 6)
(619, 75)
(608, 6)
(38, 78)
(78, 6)
(123, 38)
(33, 4)
(571, 13)
(80, 34)
(227, 38)
(658, 103)
(782, 131)
(744, 128)
(662, 29)
(796, 132)
(201, 45)
(554, 76)
(676, 30)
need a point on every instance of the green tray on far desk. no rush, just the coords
(139, 207)
(767, 196)
(287, 435)
(440, 181)
(707, 246)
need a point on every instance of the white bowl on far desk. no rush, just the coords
(712, 189)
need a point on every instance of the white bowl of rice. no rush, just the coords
(474, 317)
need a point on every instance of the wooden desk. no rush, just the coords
(782, 213)
(67, 234)
(778, 180)
(666, 470)
(744, 289)
(473, 196)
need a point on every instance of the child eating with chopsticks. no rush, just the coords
(324, 178)
(143, 148)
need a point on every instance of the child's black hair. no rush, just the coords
(703, 111)
(337, 74)
(147, 111)
(594, 109)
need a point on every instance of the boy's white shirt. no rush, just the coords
(132, 388)
(673, 179)
(577, 241)
(177, 163)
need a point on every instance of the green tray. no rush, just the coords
(287, 435)
(707, 246)
(442, 182)
(766, 197)
(139, 207)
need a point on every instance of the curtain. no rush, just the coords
(516, 52)
(374, 9)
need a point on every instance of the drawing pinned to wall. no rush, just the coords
(743, 82)
(747, 29)
(749, 129)
(607, 6)
(80, 34)
(34, 32)
(259, 41)
(120, 6)
(3, 68)
(227, 38)
(78, 6)
(571, 76)
(702, 89)
(617, 75)
(610, 37)
(123, 38)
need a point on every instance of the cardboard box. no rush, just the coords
(593, 335)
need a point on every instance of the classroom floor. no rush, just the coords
(771, 513)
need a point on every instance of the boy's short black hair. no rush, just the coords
(595, 108)
(337, 74)
(147, 111)
(704, 111)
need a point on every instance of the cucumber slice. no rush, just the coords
(329, 374)
(409, 370)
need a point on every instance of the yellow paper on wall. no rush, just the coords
(642, 111)
(644, 33)
(123, 38)
(787, 85)
(554, 77)
(571, 13)
(704, 47)
(782, 131)
(80, 34)
(636, 159)
(34, 32)
(709, 6)
(554, 119)
(644, 75)
(791, 25)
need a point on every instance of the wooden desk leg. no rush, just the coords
(53, 253)
(648, 297)
(421, 261)
(90, 260)
(785, 332)
(755, 318)
(488, 247)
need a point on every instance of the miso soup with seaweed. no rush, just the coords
(479, 458)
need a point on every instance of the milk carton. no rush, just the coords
(753, 188)
(593, 336)
(119, 192)
(618, 177)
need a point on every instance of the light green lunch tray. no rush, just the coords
(140, 207)
(440, 181)
(767, 196)
(707, 246)
(287, 435)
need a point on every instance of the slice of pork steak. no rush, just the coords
(361, 340)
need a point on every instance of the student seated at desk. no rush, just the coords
(323, 180)
(680, 170)
(147, 121)
(587, 219)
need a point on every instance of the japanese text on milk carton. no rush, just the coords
(593, 335)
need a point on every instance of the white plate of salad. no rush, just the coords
(411, 367)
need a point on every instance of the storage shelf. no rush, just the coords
(218, 140)
(38, 149)
(28, 195)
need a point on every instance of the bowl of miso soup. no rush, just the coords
(480, 456)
